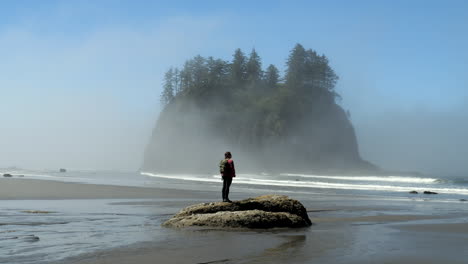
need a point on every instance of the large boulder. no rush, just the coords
(265, 211)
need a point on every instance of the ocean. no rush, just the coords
(81, 226)
(447, 187)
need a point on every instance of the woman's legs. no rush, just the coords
(226, 184)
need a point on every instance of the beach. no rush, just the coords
(29, 189)
(124, 226)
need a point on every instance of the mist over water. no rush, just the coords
(429, 141)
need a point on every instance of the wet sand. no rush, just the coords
(196, 247)
(28, 189)
(344, 231)
(456, 228)
(328, 241)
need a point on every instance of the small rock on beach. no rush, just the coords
(37, 212)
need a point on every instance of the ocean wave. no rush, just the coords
(180, 177)
(315, 184)
(458, 181)
(368, 178)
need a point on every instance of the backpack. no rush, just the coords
(225, 167)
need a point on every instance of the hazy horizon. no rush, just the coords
(81, 81)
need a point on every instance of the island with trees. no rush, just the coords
(270, 122)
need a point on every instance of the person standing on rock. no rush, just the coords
(227, 170)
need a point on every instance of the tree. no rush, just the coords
(254, 68)
(194, 75)
(199, 71)
(320, 79)
(309, 78)
(167, 94)
(295, 67)
(271, 76)
(177, 86)
(217, 72)
(185, 77)
(239, 68)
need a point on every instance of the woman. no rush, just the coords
(227, 170)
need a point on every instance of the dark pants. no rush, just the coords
(226, 184)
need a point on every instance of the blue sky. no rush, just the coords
(80, 80)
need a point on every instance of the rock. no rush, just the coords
(30, 238)
(267, 211)
(414, 192)
(27, 238)
(37, 212)
(63, 170)
(429, 192)
(7, 175)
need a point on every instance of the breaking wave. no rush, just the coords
(371, 183)
(368, 178)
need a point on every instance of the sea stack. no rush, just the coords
(290, 123)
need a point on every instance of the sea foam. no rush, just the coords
(367, 178)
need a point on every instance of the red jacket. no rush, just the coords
(231, 171)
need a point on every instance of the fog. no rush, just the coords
(424, 140)
(399, 131)
(91, 101)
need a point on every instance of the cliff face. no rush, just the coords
(188, 139)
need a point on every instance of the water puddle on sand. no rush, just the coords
(42, 231)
